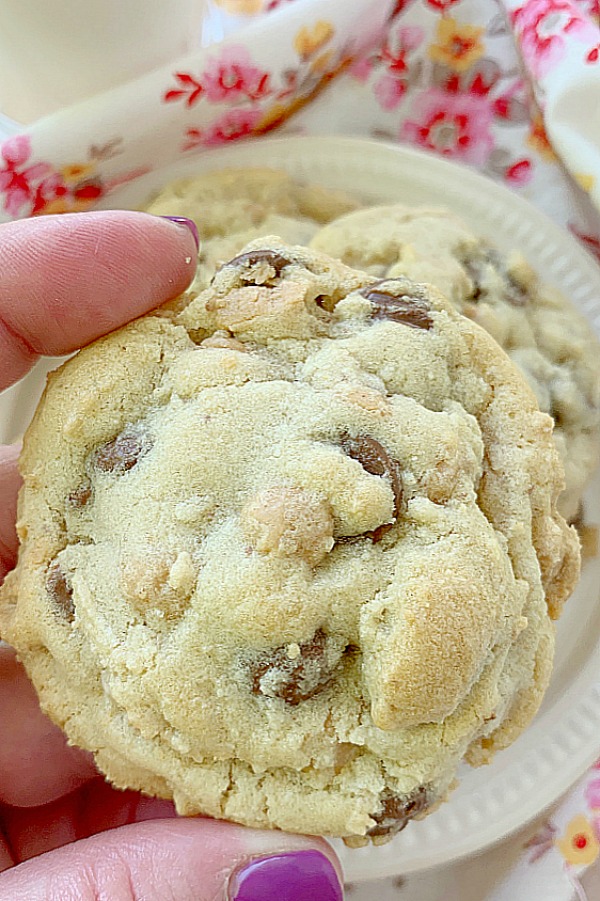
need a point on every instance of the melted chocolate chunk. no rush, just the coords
(390, 300)
(121, 453)
(396, 811)
(294, 679)
(252, 257)
(80, 496)
(374, 458)
(60, 591)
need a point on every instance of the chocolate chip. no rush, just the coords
(478, 264)
(80, 496)
(121, 453)
(298, 677)
(397, 810)
(60, 591)
(390, 299)
(374, 458)
(252, 257)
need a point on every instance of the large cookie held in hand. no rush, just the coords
(291, 554)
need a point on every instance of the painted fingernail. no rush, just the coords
(188, 223)
(296, 876)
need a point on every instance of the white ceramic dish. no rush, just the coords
(565, 737)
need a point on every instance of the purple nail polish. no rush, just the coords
(188, 223)
(296, 876)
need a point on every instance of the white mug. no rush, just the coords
(56, 52)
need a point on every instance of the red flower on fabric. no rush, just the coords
(478, 81)
(25, 188)
(389, 91)
(543, 26)
(234, 124)
(391, 87)
(452, 125)
(231, 76)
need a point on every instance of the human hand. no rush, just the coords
(64, 832)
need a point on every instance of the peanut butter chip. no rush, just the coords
(389, 300)
(374, 458)
(396, 811)
(295, 678)
(121, 453)
(288, 522)
(60, 591)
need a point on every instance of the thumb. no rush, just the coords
(183, 860)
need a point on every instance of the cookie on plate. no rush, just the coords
(290, 557)
(233, 206)
(539, 328)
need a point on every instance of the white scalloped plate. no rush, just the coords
(564, 739)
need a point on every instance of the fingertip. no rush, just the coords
(188, 859)
(66, 280)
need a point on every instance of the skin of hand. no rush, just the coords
(65, 834)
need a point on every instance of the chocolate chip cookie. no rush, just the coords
(292, 554)
(541, 331)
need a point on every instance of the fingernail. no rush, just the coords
(188, 223)
(296, 876)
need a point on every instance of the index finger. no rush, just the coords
(65, 280)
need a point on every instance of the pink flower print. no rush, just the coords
(49, 189)
(592, 794)
(16, 151)
(19, 184)
(362, 68)
(391, 87)
(543, 26)
(237, 123)
(234, 124)
(411, 37)
(389, 91)
(232, 76)
(453, 125)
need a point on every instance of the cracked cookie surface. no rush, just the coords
(550, 342)
(291, 554)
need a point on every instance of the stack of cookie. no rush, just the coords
(308, 557)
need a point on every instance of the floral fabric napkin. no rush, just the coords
(510, 87)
